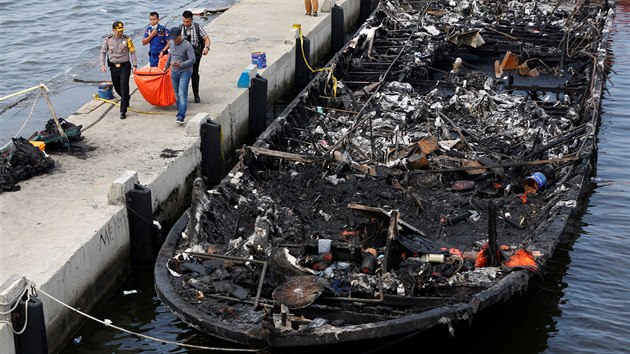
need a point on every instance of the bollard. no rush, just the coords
(337, 30)
(257, 107)
(302, 72)
(211, 157)
(141, 229)
(365, 10)
(33, 340)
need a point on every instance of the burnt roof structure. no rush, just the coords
(426, 176)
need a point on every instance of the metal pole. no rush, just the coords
(52, 111)
(21, 92)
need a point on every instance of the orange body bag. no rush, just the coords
(155, 85)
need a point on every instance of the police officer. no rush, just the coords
(122, 57)
(156, 36)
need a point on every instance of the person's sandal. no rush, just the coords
(314, 14)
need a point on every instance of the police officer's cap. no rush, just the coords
(118, 26)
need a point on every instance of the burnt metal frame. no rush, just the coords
(380, 299)
(244, 260)
(512, 283)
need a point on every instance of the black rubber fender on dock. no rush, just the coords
(365, 10)
(337, 29)
(257, 107)
(33, 340)
(211, 157)
(141, 230)
(303, 74)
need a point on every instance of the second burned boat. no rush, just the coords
(430, 180)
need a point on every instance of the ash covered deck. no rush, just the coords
(417, 169)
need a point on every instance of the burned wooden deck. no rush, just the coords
(394, 187)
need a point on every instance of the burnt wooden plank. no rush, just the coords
(555, 89)
(335, 313)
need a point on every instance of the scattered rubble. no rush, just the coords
(416, 172)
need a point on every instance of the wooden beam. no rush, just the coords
(282, 155)
(392, 237)
(387, 214)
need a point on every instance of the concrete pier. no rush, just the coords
(68, 231)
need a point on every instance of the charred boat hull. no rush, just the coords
(426, 176)
(190, 314)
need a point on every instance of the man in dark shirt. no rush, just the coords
(182, 58)
(200, 41)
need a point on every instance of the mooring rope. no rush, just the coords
(97, 119)
(330, 70)
(114, 103)
(109, 324)
(28, 298)
(147, 221)
(39, 93)
(96, 97)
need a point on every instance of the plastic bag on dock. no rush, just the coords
(28, 161)
(8, 181)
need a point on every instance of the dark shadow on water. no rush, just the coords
(140, 312)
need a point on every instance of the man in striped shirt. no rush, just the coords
(200, 41)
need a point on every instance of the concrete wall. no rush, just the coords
(6, 339)
(99, 265)
(90, 273)
(102, 262)
(169, 191)
(234, 121)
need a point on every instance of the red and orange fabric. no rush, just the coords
(155, 85)
(520, 259)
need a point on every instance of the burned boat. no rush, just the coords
(427, 176)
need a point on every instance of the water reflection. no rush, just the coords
(140, 312)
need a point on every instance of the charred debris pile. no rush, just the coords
(450, 152)
(23, 158)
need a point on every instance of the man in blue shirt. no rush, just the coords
(156, 36)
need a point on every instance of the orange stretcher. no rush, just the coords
(155, 85)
